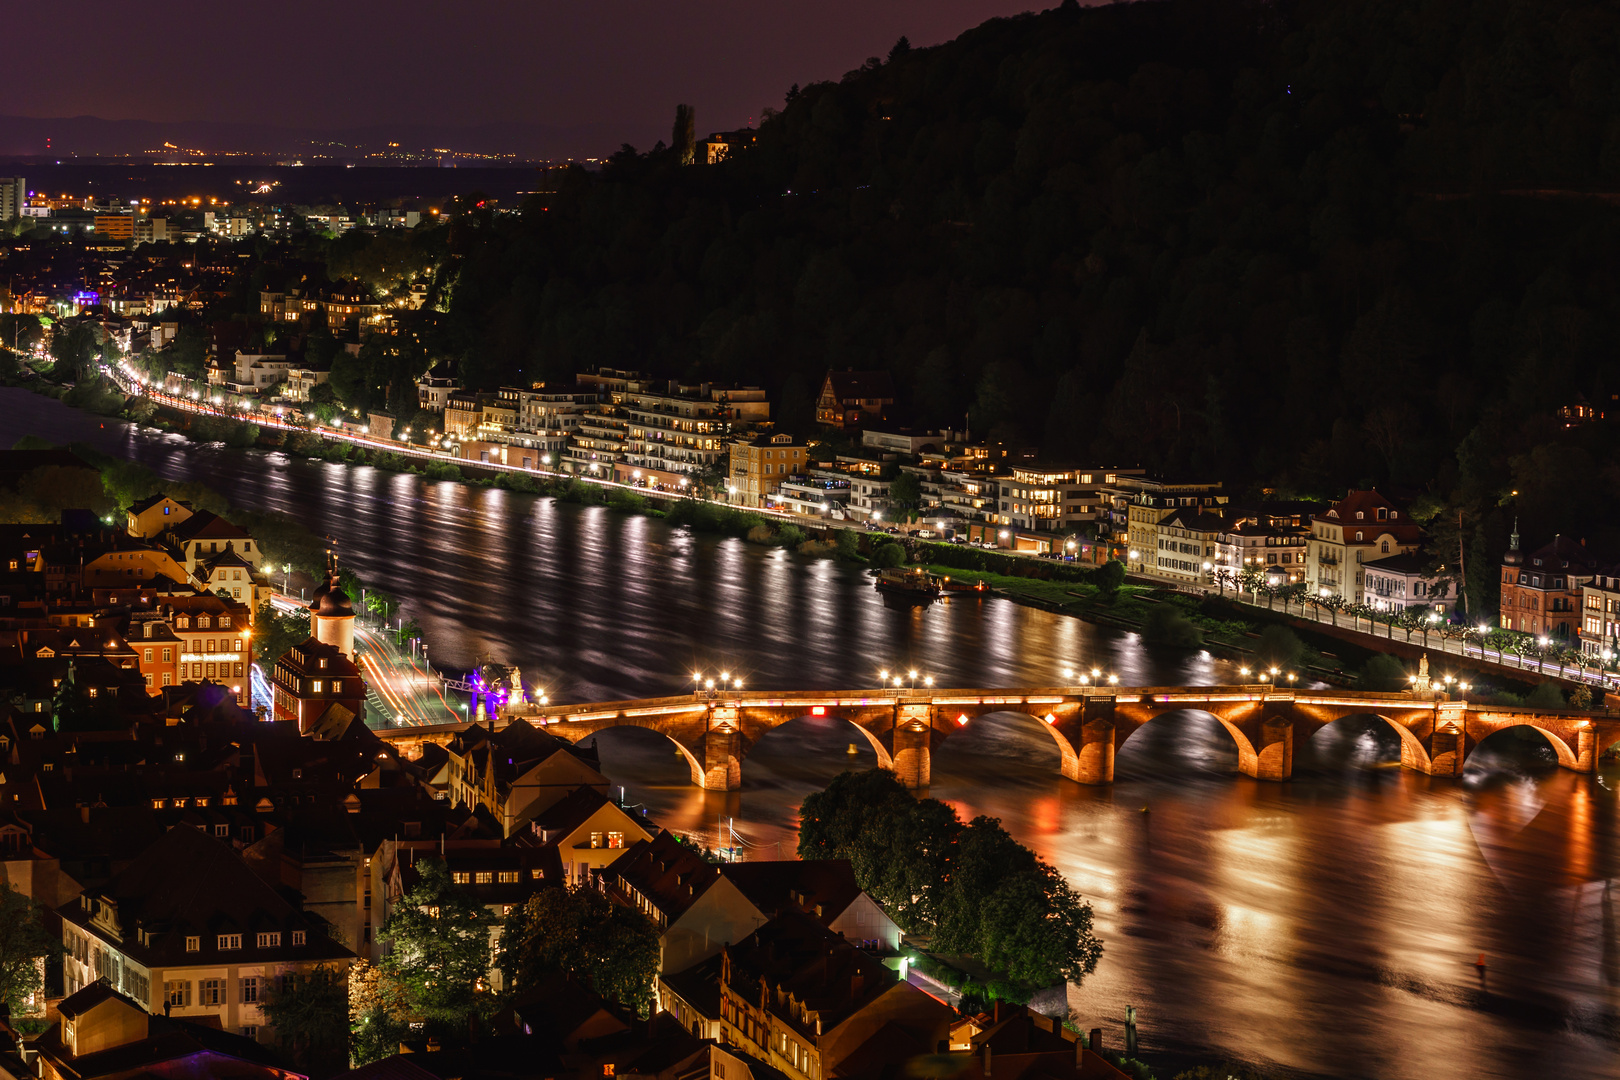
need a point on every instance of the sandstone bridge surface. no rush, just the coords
(1088, 725)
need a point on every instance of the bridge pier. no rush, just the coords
(1096, 757)
(1274, 750)
(1446, 755)
(913, 762)
(1586, 750)
(722, 759)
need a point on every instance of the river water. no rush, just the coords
(1328, 926)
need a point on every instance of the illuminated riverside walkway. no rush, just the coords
(1089, 724)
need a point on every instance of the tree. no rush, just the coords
(376, 1013)
(74, 347)
(683, 139)
(24, 948)
(439, 948)
(308, 1012)
(889, 554)
(905, 491)
(579, 933)
(275, 633)
(1108, 578)
(973, 888)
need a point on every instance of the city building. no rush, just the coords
(151, 517)
(318, 688)
(102, 1034)
(1542, 591)
(1600, 611)
(208, 951)
(1187, 544)
(810, 1004)
(13, 197)
(1398, 582)
(1263, 540)
(516, 772)
(1138, 502)
(115, 226)
(695, 908)
(1359, 528)
(587, 830)
(302, 381)
(1054, 498)
(851, 398)
(432, 393)
(256, 371)
(762, 464)
(825, 890)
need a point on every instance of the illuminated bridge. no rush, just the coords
(715, 731)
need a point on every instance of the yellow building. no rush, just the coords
(149, 517)
(115, 226)
(760, 465)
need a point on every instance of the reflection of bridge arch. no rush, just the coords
(1087, 724)
(1414, 755)
(1248, 758)
(1068, 755)
(754, 734)
(1566, 757)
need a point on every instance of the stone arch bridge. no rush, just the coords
(1087, 724)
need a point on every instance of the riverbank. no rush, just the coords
(1162, 616)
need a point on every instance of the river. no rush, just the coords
(1327, 926)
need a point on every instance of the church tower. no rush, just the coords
(331, 612)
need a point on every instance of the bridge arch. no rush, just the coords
(1567, 758)
(1068, 755)
(756, 732)
(1413, 753)
(576, 734)
(1248, 755)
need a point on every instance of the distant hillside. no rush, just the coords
(1312, 242)
(87, 136)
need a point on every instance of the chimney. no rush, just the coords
(987, 1060)
(997, 1012)
(1094, 1044)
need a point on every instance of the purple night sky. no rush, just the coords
(612, 65)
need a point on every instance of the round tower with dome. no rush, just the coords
(331, 612)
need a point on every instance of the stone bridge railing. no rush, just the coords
(1088, 724)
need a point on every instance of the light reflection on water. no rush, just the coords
(1328, 925)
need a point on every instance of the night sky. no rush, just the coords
(609, 65)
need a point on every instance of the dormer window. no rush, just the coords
(193, 944)
(1360, 514)
(271, 940)
(297, 937)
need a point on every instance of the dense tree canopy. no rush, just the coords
(581, 934)
(972, 888)
(24, 948)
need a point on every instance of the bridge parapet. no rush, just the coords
(1088, 723)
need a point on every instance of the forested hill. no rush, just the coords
(1307, 243)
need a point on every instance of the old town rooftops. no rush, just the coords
(807, 974)
(670, 875)
(822, 887)
(173, 905)
(1370, 508)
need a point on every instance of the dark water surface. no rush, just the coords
(1327, 926)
